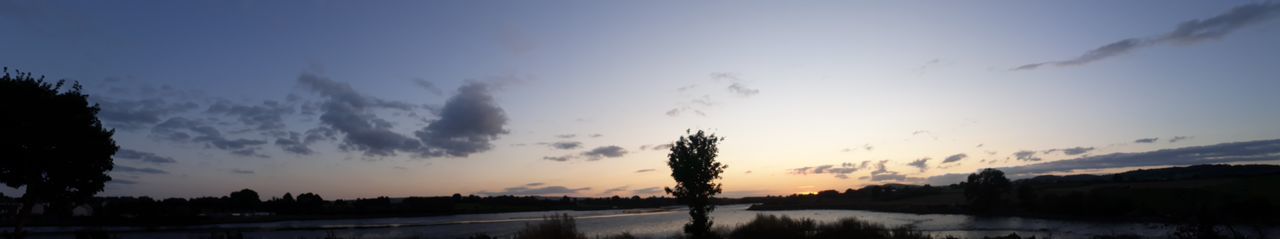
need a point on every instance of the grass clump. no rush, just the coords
(770, 226)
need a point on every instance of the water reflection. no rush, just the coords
(654, 223)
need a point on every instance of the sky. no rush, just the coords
(353, 99)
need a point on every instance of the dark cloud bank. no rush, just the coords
(1250, 151)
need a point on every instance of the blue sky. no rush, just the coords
(407, 98)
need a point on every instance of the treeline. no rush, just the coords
(1225, 194)
(248, 206)
(1202, 194)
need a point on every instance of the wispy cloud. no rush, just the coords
(1026, 155)
(614, 190)
(922, 164)
(598, 153)
(566, 145)
(1186, 33)
(647, 191)
(955, 158)
(147, 157)
(1175, 139)
(143, 170)
(527, 190)
(559, 158)
(242, 171)
(842, 171)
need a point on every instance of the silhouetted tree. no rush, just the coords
(309, 202)
(985, 189)
(694, 167)
(245, 199)
(1027, 196)
(288, 198)
(52, 143)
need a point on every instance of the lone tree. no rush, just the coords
(694, 167)
(985, 189)
(51, 143)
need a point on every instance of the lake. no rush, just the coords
(643, 223)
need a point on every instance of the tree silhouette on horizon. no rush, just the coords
(985, 189)
(695, 169)
(52, 144)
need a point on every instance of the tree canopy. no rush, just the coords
(986, 189)
(695, 169)
(52, 142)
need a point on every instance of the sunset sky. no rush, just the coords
(401, 98)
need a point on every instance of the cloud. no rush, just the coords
(142, 156)
(615, 190)
(1175, 139)
(698, 103)
(137, 114)
(645, 170)
(350, 113)
(1186, 33)
(676, 111)
(866, 147)
(883, 174)
(469, 122)
(566, 145)
(535, 191)
(268, 116)
(180, 129)
(1076, 150)
(143, 170)
(566, 136)
(294, 142)
(839, 172)
(922, 164)
(534, 184)
(1026, 155)
(597, 135)
(1146, 140)
(648, 190)
(559, 158)
(1249, 151)
(611, 151)
(122, 181)
(742, 90)
(657, 147)
(427, 85)
(955, 158)
(242, 171)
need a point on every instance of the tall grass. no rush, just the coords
(763, 226)
(770, 226)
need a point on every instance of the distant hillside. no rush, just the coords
(1217, 171)
(1219, 193)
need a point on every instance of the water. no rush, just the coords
(643, 223)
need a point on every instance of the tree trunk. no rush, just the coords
(24, 213)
